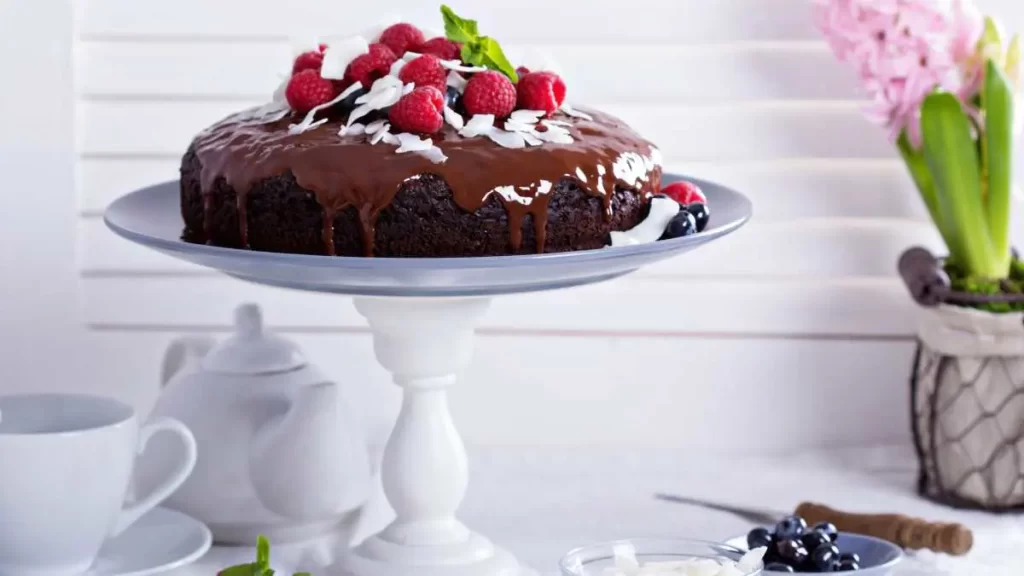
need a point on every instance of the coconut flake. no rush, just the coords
(434, 154)
(458, 66)
(513, 126)
(396, 67)
(413, 143)
(340, 54)
(532, 139)
(382, 89)
(408, 88)
(527, 116)
(380, 134)
(555, 136)
(391, 139)
(355, 87)
(353, 130)
(307, 123)
(376, 126)
(455, 80)
(454, 118)
(358, 112)
(507, 139)
(478, 125)
(581, 175)
(570, 111)
(561, 123)
(410, 56)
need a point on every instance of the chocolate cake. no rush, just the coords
(318, 171)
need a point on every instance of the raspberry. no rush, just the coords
(489, 93)
(311, 60)
(685, 193)
(443, 48)
(419, 111)
(370, 66)
(401, 38)
(541, 91)
(307, 90)
(425, 70)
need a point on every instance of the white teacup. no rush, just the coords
(65, 465)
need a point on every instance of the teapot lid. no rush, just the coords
(251, 349)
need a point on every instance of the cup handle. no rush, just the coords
(132, 513)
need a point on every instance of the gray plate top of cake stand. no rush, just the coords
(152, 217)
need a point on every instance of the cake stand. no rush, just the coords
(422, 313)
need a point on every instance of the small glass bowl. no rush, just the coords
(594, 559)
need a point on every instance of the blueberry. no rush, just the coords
(813, 540)
(779, 567)
(682, 224)
(350, 101)
(828, 529)
(453, 99)
(824, 558)
(791, 551)
(700, 214)
(759, 537)
(791, 526)
(850, 556)
(847, 566)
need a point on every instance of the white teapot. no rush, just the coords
(279, 452)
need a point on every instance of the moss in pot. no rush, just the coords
(944, 82)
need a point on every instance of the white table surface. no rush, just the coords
(541, 502)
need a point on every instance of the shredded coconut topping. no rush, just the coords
(454, 118)
(380, 133)
(353, 130)
(376, 126)
(423, 146)
(570, 111)
(458, 66)
(308, 123)
(340, 54)
(455, 80)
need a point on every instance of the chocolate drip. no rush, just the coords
(345, 172)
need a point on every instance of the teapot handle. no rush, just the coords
(181, 352)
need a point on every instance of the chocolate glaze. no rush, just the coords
(343, 172)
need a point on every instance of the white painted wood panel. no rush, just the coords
(638, 73)
(704, 395)
(631, 305)
(655, 22)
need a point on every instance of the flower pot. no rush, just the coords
(967, 398)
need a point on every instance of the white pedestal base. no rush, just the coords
(424, 343)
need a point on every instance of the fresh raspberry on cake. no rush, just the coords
(425, 70)
(441, 47)
(419, 111)
(685, 193)
(311, 60)
(307, 90)
(541, 91)
(489, 92)
(401, 38)
(370, 66)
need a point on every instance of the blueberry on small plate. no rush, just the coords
(861, 555)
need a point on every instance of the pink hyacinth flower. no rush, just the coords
(902, 50)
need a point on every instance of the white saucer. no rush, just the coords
(161, 540)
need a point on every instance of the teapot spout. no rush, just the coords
(301, 461)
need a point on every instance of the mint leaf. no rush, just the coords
(458, 29)
(494, 58)
(242, 570)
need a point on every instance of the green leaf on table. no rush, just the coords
(456, 28)
(950, 152)
(997, 161)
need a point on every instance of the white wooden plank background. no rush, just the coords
(802, 308)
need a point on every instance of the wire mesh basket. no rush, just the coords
(967, 394)
(968, 419)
